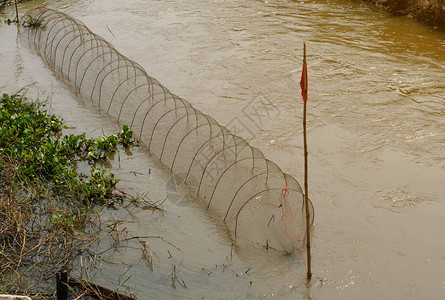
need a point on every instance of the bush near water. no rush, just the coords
(49, 210)
(430, 12)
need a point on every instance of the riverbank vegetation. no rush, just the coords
(430, 12)
(53, 188)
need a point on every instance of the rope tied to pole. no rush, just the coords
(284, 200)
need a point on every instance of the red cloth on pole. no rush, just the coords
(303, 81)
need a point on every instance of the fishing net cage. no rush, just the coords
(258, 202)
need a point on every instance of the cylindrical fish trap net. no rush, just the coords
(259, 203)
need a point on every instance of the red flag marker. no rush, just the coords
(303, 81)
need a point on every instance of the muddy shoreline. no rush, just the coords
(429, 12)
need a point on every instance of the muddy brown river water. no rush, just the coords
(376, 119)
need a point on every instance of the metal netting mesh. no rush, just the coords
(233, 179)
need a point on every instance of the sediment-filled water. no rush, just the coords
(376, 121)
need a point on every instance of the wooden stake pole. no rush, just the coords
(306, 197)
(16, 11)
(62, 285)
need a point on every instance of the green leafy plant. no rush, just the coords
(9, 21)
(32, 139)
(32, 22)
(126, 137)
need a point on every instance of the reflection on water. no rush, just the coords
(376, 140)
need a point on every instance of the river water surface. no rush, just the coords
(376, 119)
